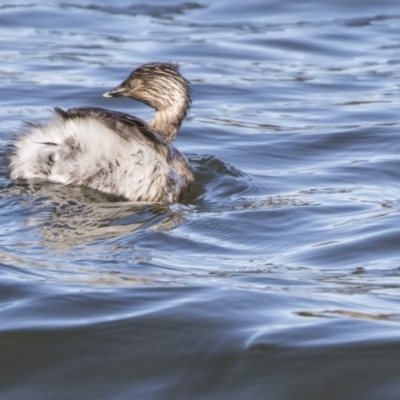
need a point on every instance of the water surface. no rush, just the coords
(279, 277)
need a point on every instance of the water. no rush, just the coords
(279, 277)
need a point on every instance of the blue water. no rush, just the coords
(279, 277)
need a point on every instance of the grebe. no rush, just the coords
(110, 151)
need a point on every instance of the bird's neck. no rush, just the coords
(167, 122)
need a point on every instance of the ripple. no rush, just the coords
(284, 259)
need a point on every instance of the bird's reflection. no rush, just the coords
(70, 216)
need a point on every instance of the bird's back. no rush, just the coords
(105, 150)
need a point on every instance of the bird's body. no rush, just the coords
(113, 152)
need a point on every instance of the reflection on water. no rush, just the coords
(351, 314)
(73, 223)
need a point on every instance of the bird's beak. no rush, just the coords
(117, 92)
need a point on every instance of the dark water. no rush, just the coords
(279, 278)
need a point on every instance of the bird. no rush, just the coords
(110, 151)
